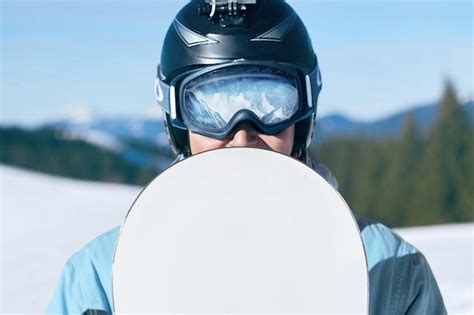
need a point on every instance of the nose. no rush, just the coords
(243, 135)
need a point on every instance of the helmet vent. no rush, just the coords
(191, 38)
(277, 33)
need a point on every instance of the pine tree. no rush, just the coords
(467, 188)
(370, 168)
(444, 173)
(396, 197)
(341, 156)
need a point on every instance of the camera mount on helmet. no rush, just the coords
(229, 13)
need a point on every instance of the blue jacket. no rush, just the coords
(401, 281)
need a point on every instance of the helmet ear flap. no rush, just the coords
(178, 138)
(303, 135)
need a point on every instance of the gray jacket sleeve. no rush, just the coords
(400, 278)
(423, 295)
(404, 285)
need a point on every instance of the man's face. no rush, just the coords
(244, 135)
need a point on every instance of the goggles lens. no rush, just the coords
(210, 101)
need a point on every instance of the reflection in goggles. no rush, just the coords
(213, 101)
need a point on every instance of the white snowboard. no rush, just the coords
(240, 231)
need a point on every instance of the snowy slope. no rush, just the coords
(45, 219)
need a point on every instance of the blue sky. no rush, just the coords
(80, 57)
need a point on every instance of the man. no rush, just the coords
(244, 74)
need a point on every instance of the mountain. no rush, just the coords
(114, 133)
(150, 131)
(338, 125)
(135, 139)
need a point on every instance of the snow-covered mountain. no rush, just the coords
(113, 130)
(45, 219)
(126, 136)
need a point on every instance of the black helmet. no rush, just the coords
(210, 33)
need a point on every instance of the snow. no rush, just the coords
(77, 113)
(45, 219)
(94, 137)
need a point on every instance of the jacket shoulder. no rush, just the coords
(86, 280)
(381, 242)
(99, 250)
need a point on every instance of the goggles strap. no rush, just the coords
(162, 95)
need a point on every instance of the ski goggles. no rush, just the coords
(213, 100)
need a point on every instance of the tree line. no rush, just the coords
(47, 150)
(414, 178)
